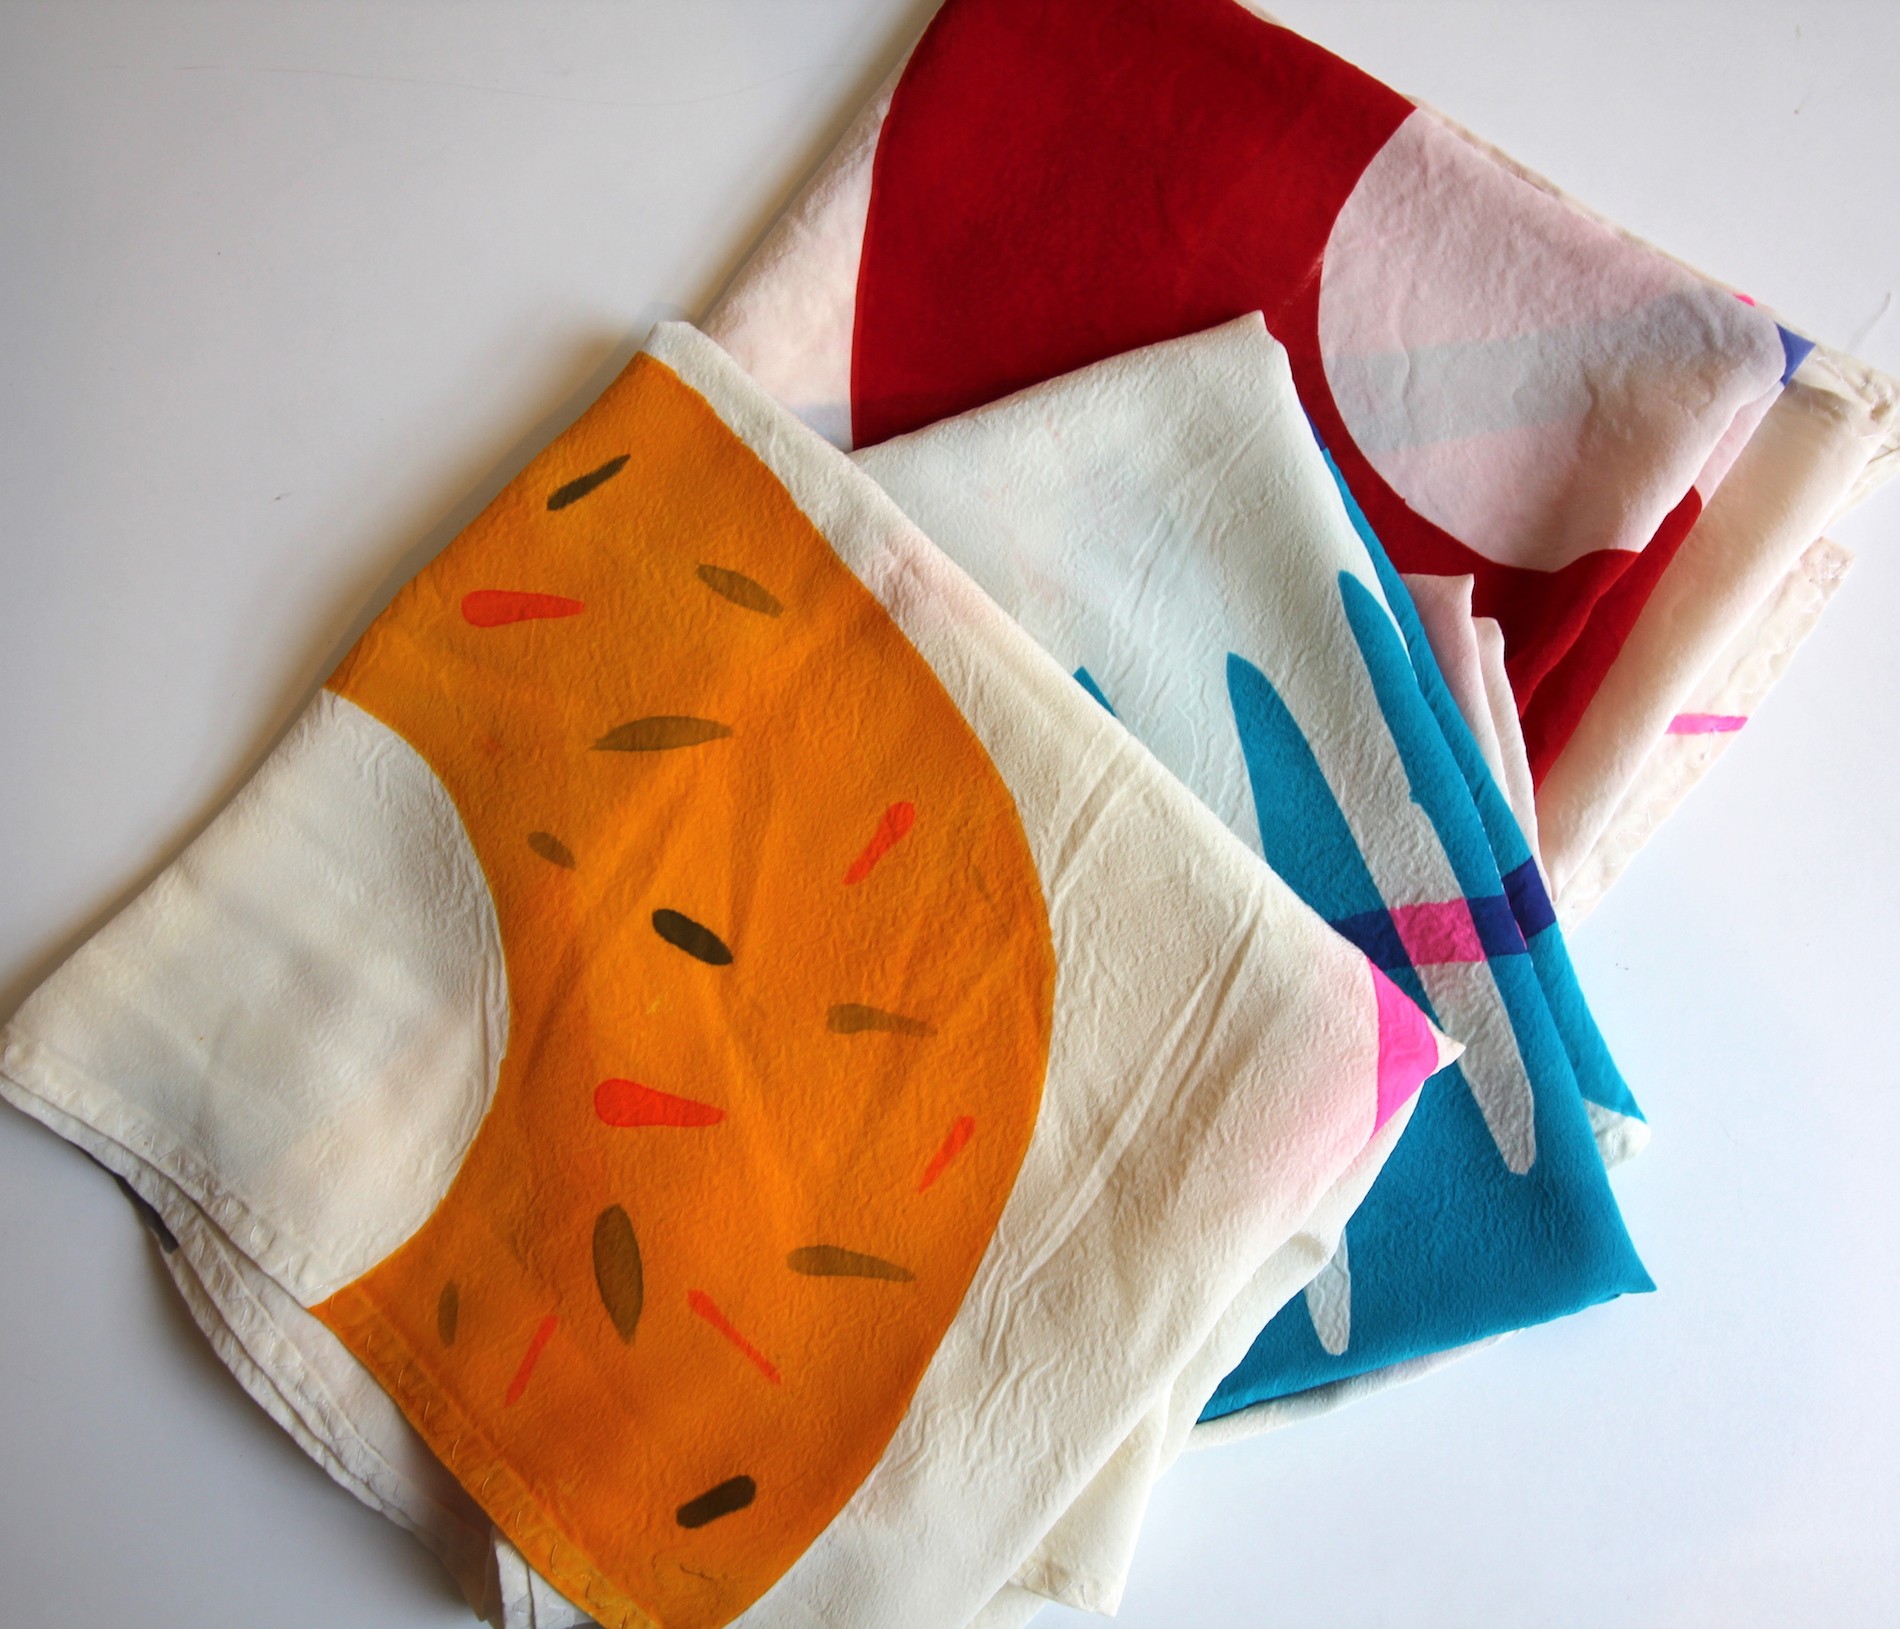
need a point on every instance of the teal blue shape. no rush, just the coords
(1598, 1077)
(1086, 680)
(1449, 1246)
(1303, 831)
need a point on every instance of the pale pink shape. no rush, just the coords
(1439, 932)
(1706, 723)
(1521, 375)
(1408, 1050)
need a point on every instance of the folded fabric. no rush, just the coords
(1624, 457)
(1469, 653)
(774, 1083)
(1711, 710)
(1621, 1131)
(1166, 526)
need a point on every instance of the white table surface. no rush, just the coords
(287, 292)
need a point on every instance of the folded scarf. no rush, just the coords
(1166, 526)
(1468, 651)
(1628, 461)
(776, 1084)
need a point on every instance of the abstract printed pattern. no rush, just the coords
(1242, 629)
(755, 984)
(621, 1023)
(1519, 393)
(1483, 401)
(1613, 1111)
(1421, 945)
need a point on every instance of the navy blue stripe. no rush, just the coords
(1497, 925)
(1375, 933)
(1530, 904)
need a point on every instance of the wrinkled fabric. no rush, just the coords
(1627, 459)
(705, 1050)
(1167, 527)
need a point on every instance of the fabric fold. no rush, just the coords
(771, 1080)
(1515, 390)
(1166, 526)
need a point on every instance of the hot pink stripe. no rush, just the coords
(1706, 723)
(1439, 932)
(1408, 1051)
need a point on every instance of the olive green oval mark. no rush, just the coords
(735, 1493)
(448, 1312)
(662, 734)
(683, 933)
(551, 849)
(850, 1018)
(578, 488)
(617, 1270)
(834, 1261)
(741, 590)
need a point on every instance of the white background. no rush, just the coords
(287, 292)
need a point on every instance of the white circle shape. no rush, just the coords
(1525, 377)
(301, 1022)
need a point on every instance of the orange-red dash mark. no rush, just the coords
(952, 1145)
(530, 1358)
(702, 1303)
(496, 607)
(898, 819)
(628, 1103)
